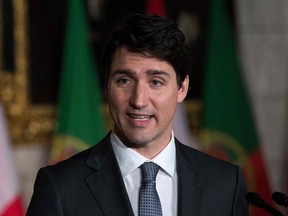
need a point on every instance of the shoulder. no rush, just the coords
(205, 163)
(79, 163)
(216, 177)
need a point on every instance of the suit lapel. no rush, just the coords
(191, 183)
(106, 182)
(108, 189)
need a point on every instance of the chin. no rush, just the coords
(134, 136)
(137, 141)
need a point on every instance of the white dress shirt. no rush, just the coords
(166, 180)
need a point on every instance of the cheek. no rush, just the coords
(166, 102)
(114, 106)
(169, 96)
(116, 98)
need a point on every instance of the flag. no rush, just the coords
(10, 198)
(156, 7)
(229, 132)
(80, 120)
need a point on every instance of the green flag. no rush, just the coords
(80, 119)
(229, 131)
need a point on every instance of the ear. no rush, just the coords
(183, 90)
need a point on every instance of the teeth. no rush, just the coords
(139, 117)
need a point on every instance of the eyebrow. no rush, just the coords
(148, 72)
(157, 72)
(120, 71)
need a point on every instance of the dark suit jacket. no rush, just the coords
(90, 183)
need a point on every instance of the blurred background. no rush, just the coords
(239, 80)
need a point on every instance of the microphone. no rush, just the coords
(256, 200)
(280, 198)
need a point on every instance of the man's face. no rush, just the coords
(142, 94)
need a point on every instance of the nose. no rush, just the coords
(139, 96)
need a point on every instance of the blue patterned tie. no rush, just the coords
(149, 202)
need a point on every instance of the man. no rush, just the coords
(147, 74)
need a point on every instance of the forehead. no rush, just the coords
(137, 63)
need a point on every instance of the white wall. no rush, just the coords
(263, 35)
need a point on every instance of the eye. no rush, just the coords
(156, 83)
(123, 81)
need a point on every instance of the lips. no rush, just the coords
(139, 116)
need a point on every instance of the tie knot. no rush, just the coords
(149, 171)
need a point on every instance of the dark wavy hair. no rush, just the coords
(150, 36)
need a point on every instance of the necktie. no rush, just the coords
(149, 202)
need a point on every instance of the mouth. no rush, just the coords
(141, 117)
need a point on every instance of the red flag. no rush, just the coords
(155, 7)
(10, 201)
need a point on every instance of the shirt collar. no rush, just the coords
(129, 160)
